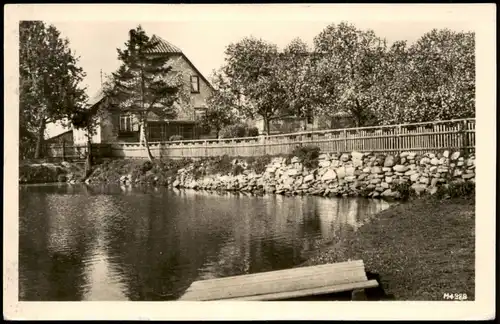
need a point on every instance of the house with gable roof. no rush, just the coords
(117, 126)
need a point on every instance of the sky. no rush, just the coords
(203, 41)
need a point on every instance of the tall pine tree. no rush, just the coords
(144, 83)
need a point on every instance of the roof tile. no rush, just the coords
(164, 46)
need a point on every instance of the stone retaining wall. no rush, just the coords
(354, 174)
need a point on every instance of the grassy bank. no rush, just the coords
(420, 249)
(164, 171)
(42, 171)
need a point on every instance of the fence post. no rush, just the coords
(399, 138)
(465, 138)
(345, 141)
(206, 148)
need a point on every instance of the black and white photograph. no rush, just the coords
(338, 160)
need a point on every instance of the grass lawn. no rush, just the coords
(420, 249)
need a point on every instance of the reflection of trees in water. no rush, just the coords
(126, 228)
(102, 279)
(158, 243)
(234, 255)
(345, 214)
(33, 240)
(268, 234)
(52, 247)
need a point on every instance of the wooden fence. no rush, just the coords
(419, 137)
(70, 152)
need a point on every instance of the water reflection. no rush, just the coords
(142, 243)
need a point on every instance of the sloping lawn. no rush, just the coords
(420, 249)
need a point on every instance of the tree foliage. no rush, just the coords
(434, 79)
(145, 83)
(221, 109)
(251, 68)
(87, 119)
(348, 63)
(50, 79)
(298, 77)
(352, 72)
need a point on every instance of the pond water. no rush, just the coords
(111, 243)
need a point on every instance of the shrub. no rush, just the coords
(239, 130)
(308, 155)
(404, 189)
(175, 138)
(222, 164)
(146, 166)
(253, 131)
(198, 169)
(62, 178)
(199, 173)
(260, 163)
(135, 173)
(457, 189)
(237, 170)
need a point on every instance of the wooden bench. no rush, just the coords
(284, 284)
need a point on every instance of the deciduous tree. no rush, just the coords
(50, 79)
(348, 63)
(221, 108)
(433, 79)
(251, 67)
(298, 78)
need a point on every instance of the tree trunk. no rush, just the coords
(358, 115)
(267, 126)
(88, 162)
(145, 139)
(39, 139)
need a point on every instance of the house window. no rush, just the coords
(199, 113)
(126, 124)
(195, 84)
(186, 131)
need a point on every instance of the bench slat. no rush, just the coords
(309, 292)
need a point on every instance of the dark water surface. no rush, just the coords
(145, 244)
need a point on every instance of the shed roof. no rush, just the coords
(61, 133)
